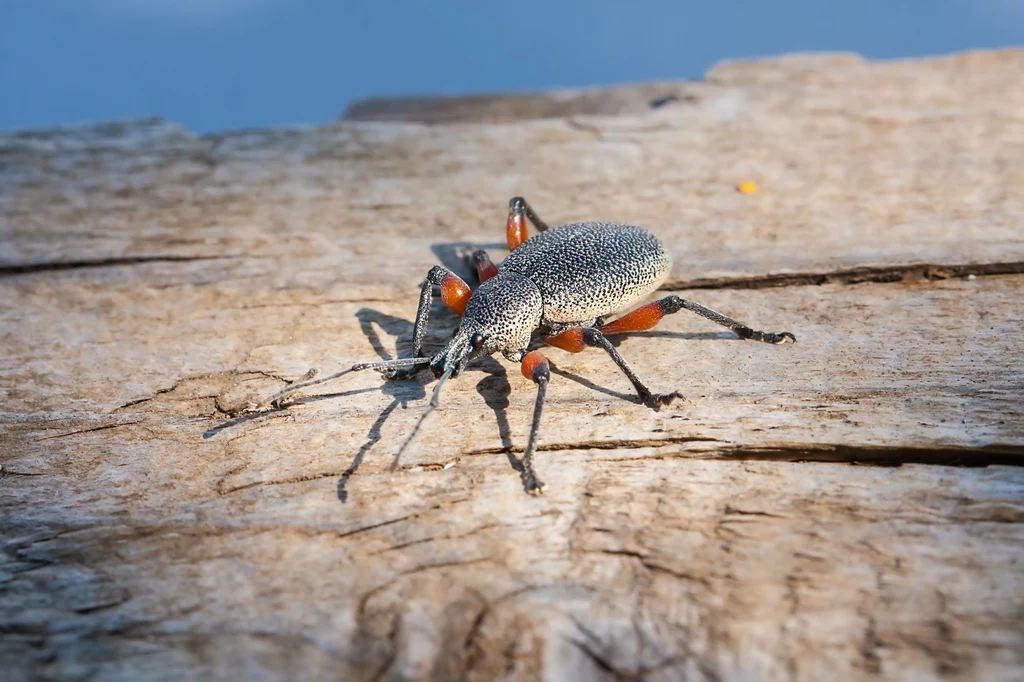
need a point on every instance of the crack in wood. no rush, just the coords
(364, 601)
(89, 430)
(600, 661)
(651, 565)
(12, 269)
(375, 526)
(221, 490)
(864, 455)
(612, 444)
(871, 274)
(994, 454)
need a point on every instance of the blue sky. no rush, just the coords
(221, 64)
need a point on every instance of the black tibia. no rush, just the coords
(533, 485)
(673, 304)
(595, 339)
(519, 205)
(419, 331)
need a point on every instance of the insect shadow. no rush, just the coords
(456, 257)
(214, 430)
(617, 340)
(401, 392)
(494, 388)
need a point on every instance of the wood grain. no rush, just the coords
(846, 507)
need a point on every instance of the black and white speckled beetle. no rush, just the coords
(560, 285)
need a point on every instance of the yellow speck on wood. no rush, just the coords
(747, 187)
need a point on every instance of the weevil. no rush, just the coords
(561, 285)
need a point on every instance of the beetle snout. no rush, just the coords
(454, 356)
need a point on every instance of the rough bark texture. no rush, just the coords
(848, 507)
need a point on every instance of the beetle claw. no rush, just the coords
(656, 400)
(534, 486)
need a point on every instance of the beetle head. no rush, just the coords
(469, 342)
(500, 316)
(505, 310)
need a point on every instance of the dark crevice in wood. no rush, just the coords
(598, 660)
(223, 490)
(614, 444)
(882, 455)
(89, 430)
(881, 274)
(11, 269)
(4, 471)
(876, 455)
(875, 274)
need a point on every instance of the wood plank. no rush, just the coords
(679, 567)
(877, 366)
(651, 531)
(846, 507)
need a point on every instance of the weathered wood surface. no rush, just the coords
(153, 280)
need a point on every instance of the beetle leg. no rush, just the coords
(454, 292)
(570, 340)
(515, 229)
(485, 268)
(535, 367)
(645, 317)
(594, 338)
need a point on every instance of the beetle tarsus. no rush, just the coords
(594, 338)
(533, 485)
(658, 400)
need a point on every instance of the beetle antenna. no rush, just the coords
(389, 364)
(280, 399)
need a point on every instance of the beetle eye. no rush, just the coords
(476, 340)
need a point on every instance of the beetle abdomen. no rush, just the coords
(586, 270)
